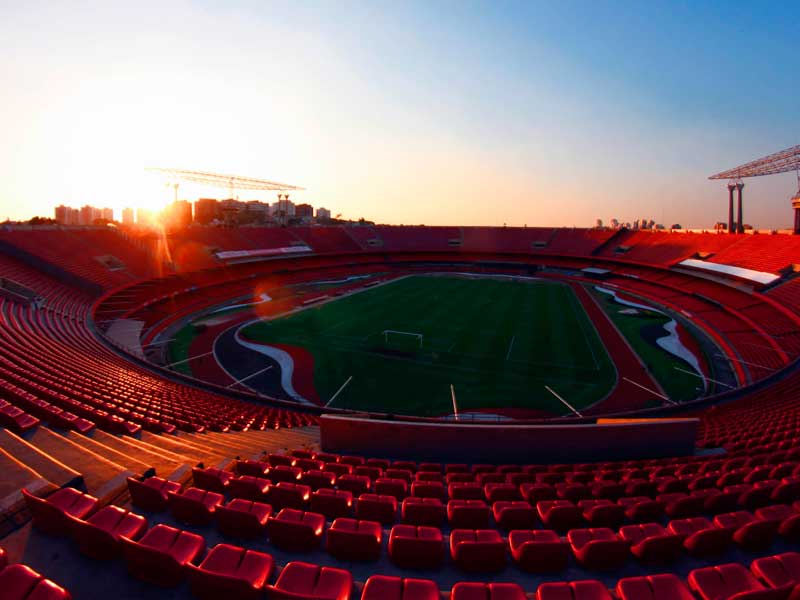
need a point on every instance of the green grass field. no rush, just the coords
(678, 385)
(499, 342)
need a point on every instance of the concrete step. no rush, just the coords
(195, 451)
(220, 448)
(233, 441)
(98, 471)
(47, 466)
(163, 462)
(17, 476)
(121, 458)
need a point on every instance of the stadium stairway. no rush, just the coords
(44, 459)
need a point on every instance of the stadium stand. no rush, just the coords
(217, 495)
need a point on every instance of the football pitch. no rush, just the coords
(498, 342)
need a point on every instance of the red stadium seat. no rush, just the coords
(561, 515)
(539, 550)
(351, 539)
(464, 590)
(243, 518)
(748, 531)
(296, 530)
(332, 503)
(318, 479)
(19, 582)
(778, 571)
(374, 507)
(151, 494)
(701, 538)
(249, 488)
(650, 542)
(52, 514)
(428, 489)
(289, 495)
(304, 581)
(382, 587)
(99, 535)
(465, 491)
(501, 491)
(481, 550)
(602, 512)
(415, 547)
(514, 515)
(161, 555)
(731, 580)
(194, 505)
(391, 487)
(598, 548)
(468, 514)
(574, 590)
(423, 511)
(231, 572)
(254, 468)
(653, 587)
(213, 480)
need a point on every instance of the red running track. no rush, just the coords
(625, 395)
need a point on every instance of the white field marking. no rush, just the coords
(250, 376)
(304, 340)
(185, 360)
(450, 348)
(339, 391)
(733, 387)
(453, 397)
(567, 404)
(647, 389)
(510, 346)
(744, 362)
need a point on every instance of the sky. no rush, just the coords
(435, 112)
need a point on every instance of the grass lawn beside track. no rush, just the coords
(679, 386)
(499, 342)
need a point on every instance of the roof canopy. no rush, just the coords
(226, 181)
(780, 162)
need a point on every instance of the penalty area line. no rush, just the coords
(722, 383)
(250, 376)
(567, 404)
(510, 346)
(647, 389)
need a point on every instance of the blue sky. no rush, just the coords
(540, 113)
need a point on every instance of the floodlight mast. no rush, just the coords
(772, 164)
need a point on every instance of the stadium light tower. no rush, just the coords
(784, 161)
(230, 182)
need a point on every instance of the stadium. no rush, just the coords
(396, 411)
(451, 360)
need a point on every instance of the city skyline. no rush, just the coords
(451, 113)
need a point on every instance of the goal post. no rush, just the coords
(408, 334)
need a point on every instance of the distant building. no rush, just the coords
(598, 224)
(230, 210)
(74, 217)
(87, 215)
(107, 214)
(62, 214)
(206, 210)
(615, 223)
(127, 216)
(255, 213)
(304, 212)
(323, 214)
